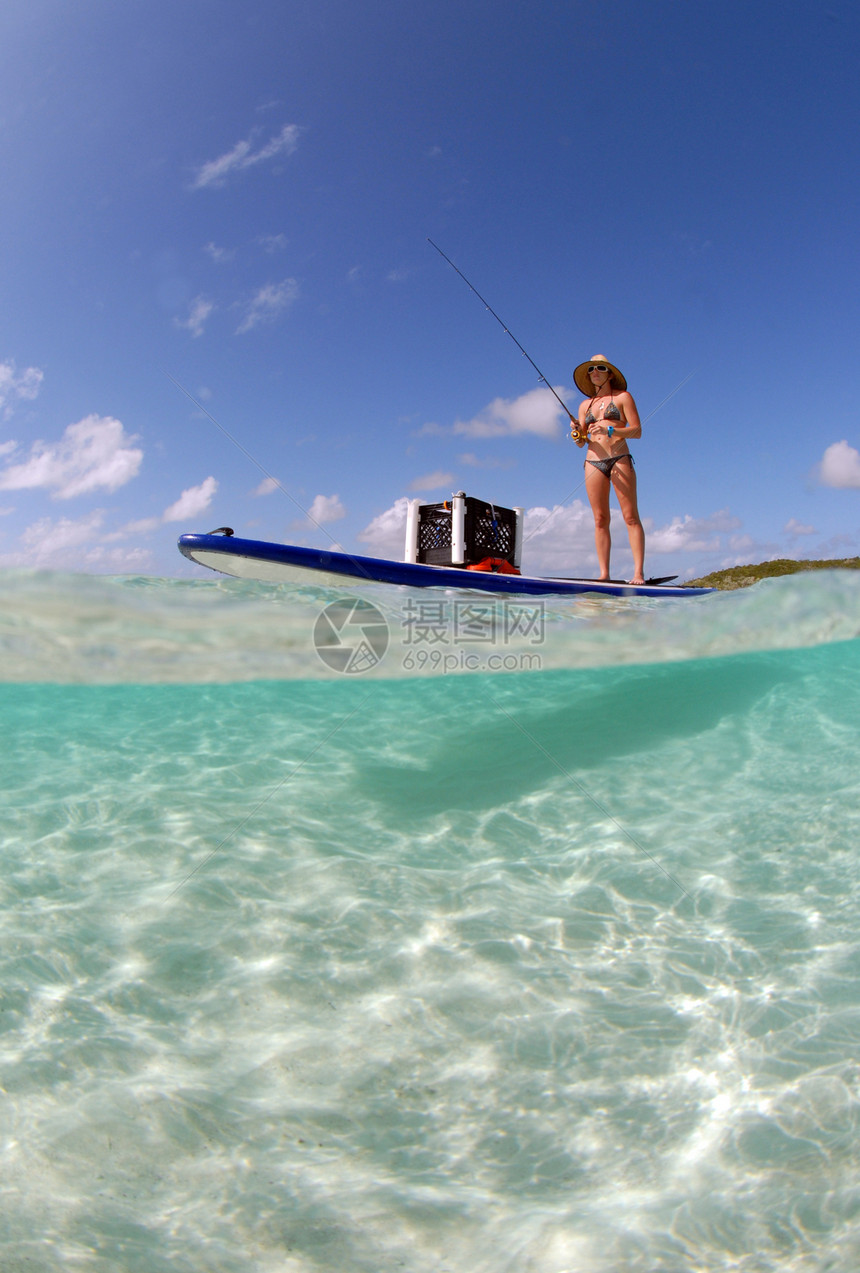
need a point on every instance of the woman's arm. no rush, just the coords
(632, 427)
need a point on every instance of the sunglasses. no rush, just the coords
(598, 366)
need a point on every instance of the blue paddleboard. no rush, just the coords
(290, 563)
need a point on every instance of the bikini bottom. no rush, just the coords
(606, 466)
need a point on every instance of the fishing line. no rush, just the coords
(504, 327)
(689, 376)
(563, 405)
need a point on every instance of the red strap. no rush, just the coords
(497, 565)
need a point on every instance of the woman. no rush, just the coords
(605, 423)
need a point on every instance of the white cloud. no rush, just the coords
(243, 155)
(266, 487)
(286, 140)
(219, 255)
(15, 386)
(94, 454)
(561, 540)
(841, 545)
(272, 243)
(49, 538)
(840, 466)
(119, 560)
(199, 311)
(270, 301)
(432, 481)
(387, 532)
(794, 527)
(537, 412)
(690, 534)
(85, 544)
(193, 500)
(326, 508)
(68, 544)
(489, 462)
(558, 540)
(141, 527)
(746, 545)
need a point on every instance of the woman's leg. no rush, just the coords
(624, 481)
(597, 487)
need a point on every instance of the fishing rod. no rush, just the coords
(566, 409)
(487, 305)
(505, 328)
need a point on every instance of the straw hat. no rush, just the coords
(584, 385)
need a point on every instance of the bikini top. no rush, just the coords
(611, 413)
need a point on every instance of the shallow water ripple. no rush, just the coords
(546, 973)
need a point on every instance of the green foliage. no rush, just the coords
(743, 576)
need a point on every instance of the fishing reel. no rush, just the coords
(577, 434)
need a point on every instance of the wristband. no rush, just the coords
(610, 430)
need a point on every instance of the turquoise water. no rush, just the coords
(547, 970)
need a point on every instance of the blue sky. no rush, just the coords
(238, 197)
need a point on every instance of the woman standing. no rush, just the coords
(606, 420)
